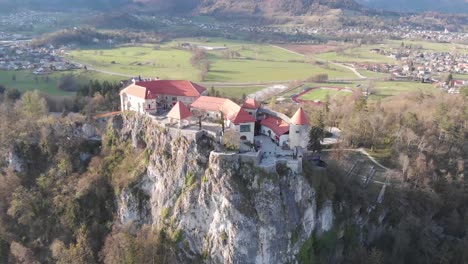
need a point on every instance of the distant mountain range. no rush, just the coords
(448, 6)
(251, 7)
(6, 5)
(248, 7)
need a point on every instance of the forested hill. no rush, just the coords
(51, 5)
(292, 7)
(449, 6)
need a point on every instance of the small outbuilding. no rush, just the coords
(179, 113)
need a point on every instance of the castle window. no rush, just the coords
(244, 128)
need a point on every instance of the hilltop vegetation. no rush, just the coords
(453, 6)
(56, 207)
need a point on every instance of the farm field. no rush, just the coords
(361, 54)
(255, 63)
(371, 74)
(434, 46)
(384, 89)
(236, 70)
(166, 63)
(237, 91)
(26, 80)
(309, 49)
(48, 84)
(349, 85)
(460, 76)
(322, 93)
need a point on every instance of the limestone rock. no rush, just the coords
(229, 211)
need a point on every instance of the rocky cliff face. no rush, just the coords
(227, 211)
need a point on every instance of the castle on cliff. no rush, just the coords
(183, 104)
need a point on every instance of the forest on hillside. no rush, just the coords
(60, 208)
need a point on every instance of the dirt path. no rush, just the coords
(364, 152)
(358, 74)
(90, 68)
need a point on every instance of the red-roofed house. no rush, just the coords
(276, 129)
(234, 116)
(148, 96)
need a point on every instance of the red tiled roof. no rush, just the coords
(172, 87)
(277, 125)
(251, 103)
(179, 111)
(135, 90)
(241, 117)
(300, 118)
(231, 110)
(209, 103)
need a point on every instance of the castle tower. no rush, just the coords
(299, 129)
(251, 106)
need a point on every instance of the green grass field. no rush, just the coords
(434, 46)
(236, 70)
(237, 91)
(381, 89)
(257, 63)
(361, 54)
(166, 63)
(322, 93)
(460, 76)
(384, 89)
(349, 85)
(27, 81)
(371, 74)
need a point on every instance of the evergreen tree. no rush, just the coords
(316, 133)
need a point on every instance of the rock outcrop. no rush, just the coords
(227, 210)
